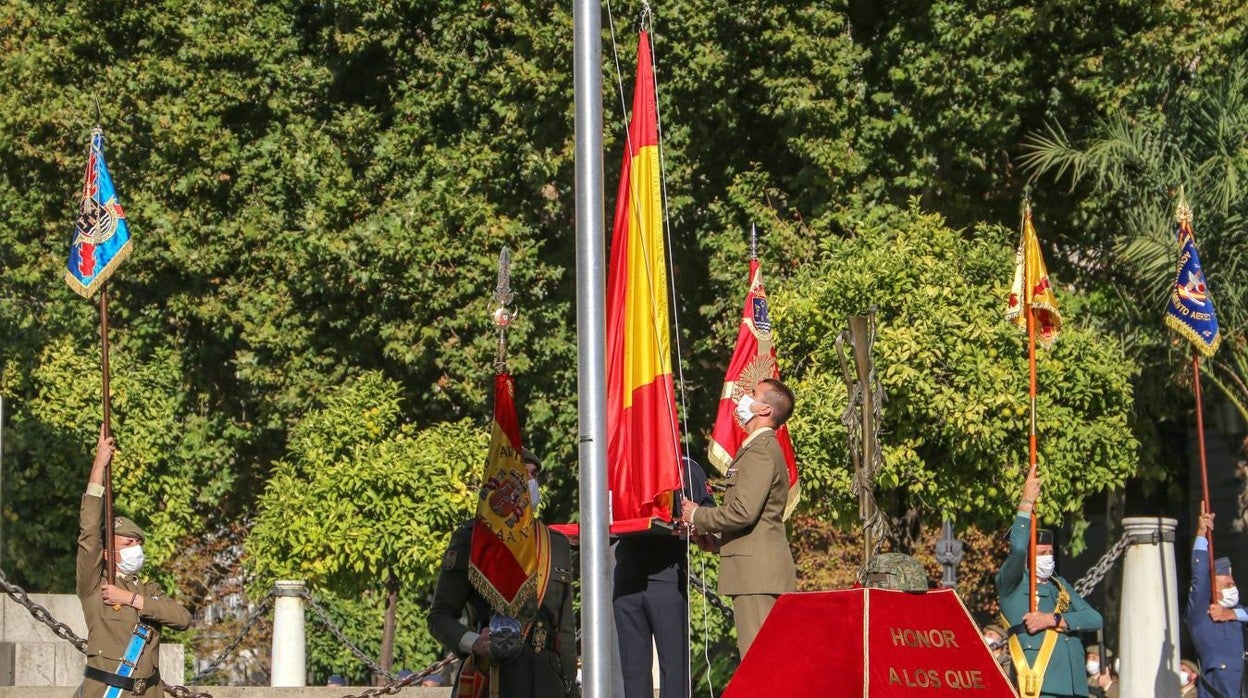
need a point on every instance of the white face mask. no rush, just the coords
(130, 560)
(535, 494)
(1093, 667)
(1230, 597)
(1185, 678)
(1045, 565)
(744, 413)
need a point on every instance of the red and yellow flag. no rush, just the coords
(509, 562)
(1032, 288)
(753, 360)
(643, 447)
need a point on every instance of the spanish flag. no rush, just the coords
(1031, 288)
(509, 562)
(643, 446)
(753, 360)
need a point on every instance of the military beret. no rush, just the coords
(1044, 537)
(128, 529)
(1222, 565)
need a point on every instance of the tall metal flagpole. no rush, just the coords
(591, 341)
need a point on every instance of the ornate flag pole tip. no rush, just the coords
(502, 315)
(1182, 211)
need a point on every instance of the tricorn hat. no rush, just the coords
(127, 528)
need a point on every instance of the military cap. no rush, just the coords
(1092, 649)
(1044, 536)
(526, 456)
(895, 571)
(994, 628)
(1190, 666)
(126, 528)
(1222, 566)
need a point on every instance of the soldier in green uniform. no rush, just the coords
(756, 565)
(546, 664)
(113, 611)
(1048, 657)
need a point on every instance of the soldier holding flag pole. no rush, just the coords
(124, 615)
(1214, 614)
(505, 569)
(1042, 614)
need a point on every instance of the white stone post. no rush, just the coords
(1148, 621)
(290, 666)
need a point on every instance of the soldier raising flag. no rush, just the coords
(1041, 614)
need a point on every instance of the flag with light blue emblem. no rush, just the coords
(101, 239)
(1189, 310)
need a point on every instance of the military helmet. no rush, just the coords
(896, 571)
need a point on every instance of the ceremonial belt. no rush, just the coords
(125, 683)
(122, 679)
(1031, 677)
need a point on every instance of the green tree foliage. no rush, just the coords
(955, 375)
(364, 497)
(166, 468)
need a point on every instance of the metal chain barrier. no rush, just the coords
(711, 597)
(1097, 572)
(328, 622)
(393, 688)
(42, 614)
(261, 609)
(184, 692)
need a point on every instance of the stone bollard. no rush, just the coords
(1148, 625)
(290, 666)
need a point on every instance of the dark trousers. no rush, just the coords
(646, 608)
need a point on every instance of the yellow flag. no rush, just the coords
(1032, 289)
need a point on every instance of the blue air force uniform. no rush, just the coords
(1219, 644)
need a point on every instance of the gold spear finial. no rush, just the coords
(1182, 212)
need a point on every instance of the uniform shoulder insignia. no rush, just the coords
(449, 559)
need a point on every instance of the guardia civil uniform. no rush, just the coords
(756, 565)
(1064, 674)
(109, 631)
(546, 665)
